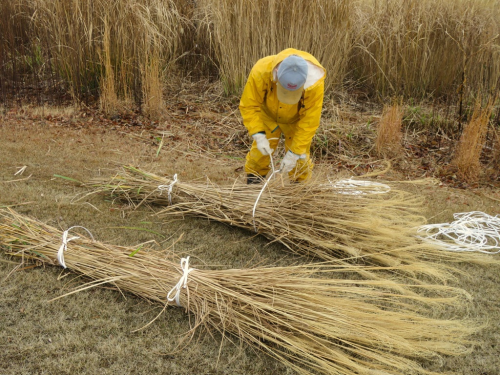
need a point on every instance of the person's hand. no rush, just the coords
(262, 144)
(289, 162)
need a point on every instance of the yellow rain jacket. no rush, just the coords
(262, 112)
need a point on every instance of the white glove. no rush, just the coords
(262, 144)
(289, 162)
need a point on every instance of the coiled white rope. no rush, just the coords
(64, 245)
(168, 188)
(473, 231)
(350, 187)
(182, 282)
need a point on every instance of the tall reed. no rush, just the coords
(415, 48)
(85, 38)
(108, 99)
(242, 32)
(19, 56)
(424, 47)
(152, 88)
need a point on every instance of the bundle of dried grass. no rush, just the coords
(312, 218)
(326, 324)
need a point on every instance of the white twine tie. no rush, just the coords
(168, 188)
(182, 282)
(349, 187)
(64, 245)
(262, 190)
(471, 231)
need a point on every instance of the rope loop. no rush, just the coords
(64, 245)
(262, 190)
(182, 282)
(168, 188)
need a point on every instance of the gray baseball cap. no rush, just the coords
(292, 74)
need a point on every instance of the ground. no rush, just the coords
(91, 332)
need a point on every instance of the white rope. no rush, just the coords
(64, 245)
(169, 188)
(350, 187)
(262, 190)
(471, 231)
(182, 282)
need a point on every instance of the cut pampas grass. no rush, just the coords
(311, 317)
(329, 221)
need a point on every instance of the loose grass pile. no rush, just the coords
(310, 317)
(314, 219)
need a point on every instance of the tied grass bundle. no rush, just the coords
(306, 316)
(312, 218)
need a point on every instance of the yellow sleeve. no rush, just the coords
(309, 117)
(251, 102)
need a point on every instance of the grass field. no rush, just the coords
(91, 332)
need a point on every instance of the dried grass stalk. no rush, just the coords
(389, 132)
(496, 149)
(311, 218)
(471, 143)
(322, 28)
(325, 324)
(153, 105)
(108, 99)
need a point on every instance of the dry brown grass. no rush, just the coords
(471, 143)
(21, 58)
(152, 88)
(327, 324)
(390, 132)
(51, 111)
(496, 148)
(108, 98)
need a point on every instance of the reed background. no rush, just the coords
(415, 48)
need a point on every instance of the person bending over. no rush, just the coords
(283, 95)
